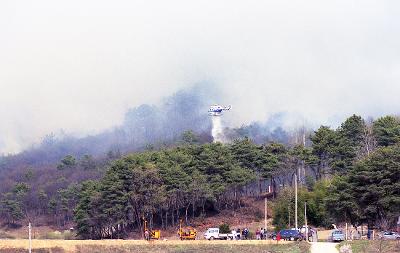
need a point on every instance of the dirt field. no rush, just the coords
(324, 234)
(136, 246)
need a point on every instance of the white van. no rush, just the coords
(213, 234)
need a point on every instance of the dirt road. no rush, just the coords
(323, 247)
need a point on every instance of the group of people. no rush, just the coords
(312, 234)
(241, 234)
(261, 234)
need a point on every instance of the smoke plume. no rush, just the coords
(76, 67)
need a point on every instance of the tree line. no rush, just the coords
(164, 186)
(351, 174)
(358, 172)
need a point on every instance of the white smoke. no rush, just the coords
(217, 131)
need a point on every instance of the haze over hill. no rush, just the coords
(150, 127)
(80, 66)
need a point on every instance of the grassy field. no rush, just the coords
(376, 246)
(136, 246)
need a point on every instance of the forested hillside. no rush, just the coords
(349, 174)
(144, 127)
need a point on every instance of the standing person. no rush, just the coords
(234, 234)
(146, 235)
(262, 234)
(238, 233)
(258, 234)
(315, 235)
(310, 235)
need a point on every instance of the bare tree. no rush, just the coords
(369, 143)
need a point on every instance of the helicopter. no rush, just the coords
(216, 110)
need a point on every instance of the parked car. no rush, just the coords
(291, 235)
(304, 229)
(271, 235)
(338, 236)
(389, 235)
(213, 234)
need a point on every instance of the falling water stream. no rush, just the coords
(217, 130)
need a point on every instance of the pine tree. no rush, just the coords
(387, 130)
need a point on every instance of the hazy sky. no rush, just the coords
(78, 65)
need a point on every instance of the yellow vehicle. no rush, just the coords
(187, 233)
(155, 234)
(151, 234)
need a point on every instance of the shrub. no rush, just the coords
(224, 228)
(65, 235)
(5, 235)
(258, 215)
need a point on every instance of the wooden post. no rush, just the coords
(305, 219)
(295, 201)
(266, 214)
(30, 237)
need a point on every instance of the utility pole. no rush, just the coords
(305, 219)
(266, 214)
(299, 173)
(303, 163)
(30, 237)
(295, 200)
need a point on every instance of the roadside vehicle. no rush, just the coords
(291, 235)
(337, 236)
(234, 235)
(389, 235)
(214, 234)
(304, 229)
(151, 234)
(271, 235)
(186, 233)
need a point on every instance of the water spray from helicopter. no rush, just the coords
(217, 130)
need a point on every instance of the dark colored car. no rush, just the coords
(291, 235)
(271, 235)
